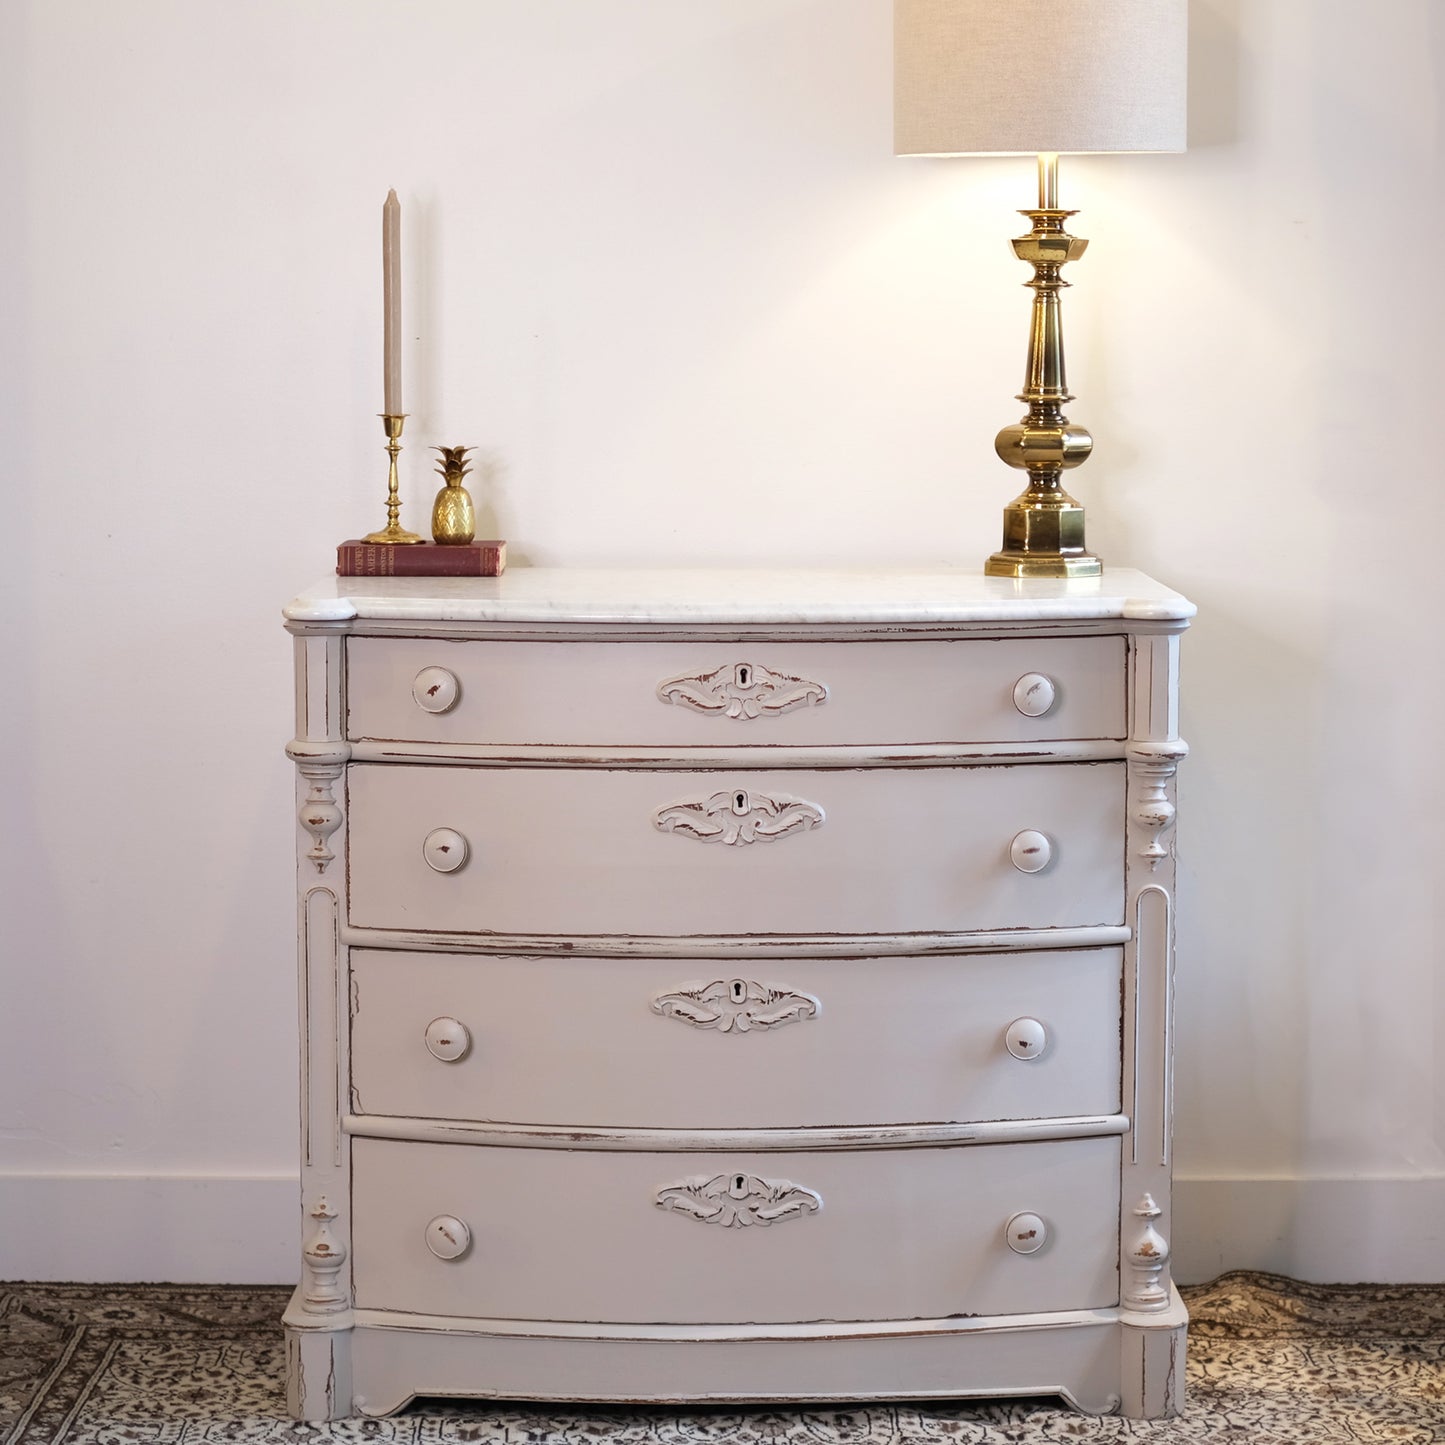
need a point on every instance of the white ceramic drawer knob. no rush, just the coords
(448, 1039)
(1026, 1233)
(1035, 694)
(444, 850)
(447, 1237)
(1026, 1039)
(435, 689)
(1030, 851)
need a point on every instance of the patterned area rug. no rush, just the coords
(1271, 1362)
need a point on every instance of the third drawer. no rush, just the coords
(739, 1044)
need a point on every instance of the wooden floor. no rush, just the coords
(1271, 1362)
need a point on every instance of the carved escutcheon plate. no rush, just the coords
(734, 1200)
(739, 817)
(742, 690)
(736, 1005)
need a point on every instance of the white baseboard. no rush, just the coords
(128, 1228)
(246, 1230)
(1330, 1231)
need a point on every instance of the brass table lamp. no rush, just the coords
(1019, 77)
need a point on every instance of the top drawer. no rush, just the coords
(733, 694)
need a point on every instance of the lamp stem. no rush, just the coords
(1043, 528)
(1048, 180)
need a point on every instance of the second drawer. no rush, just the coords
(744, 1044)
(874, 850)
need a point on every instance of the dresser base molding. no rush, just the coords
(318, 1364)
(1097, 1361)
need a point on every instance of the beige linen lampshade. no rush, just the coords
(1009, 77)
(1043, 77)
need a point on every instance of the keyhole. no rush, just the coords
(740, 802)
(740, 991)
(744, 675)
(740, 1186)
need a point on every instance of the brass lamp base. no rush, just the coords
(1043, 536)
(1043, 528)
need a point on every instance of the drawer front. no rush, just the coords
(556, 851)
(730, 1239)
(724, 694)
(664, 1043)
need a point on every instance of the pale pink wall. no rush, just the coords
(663, 270)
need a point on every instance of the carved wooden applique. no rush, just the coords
(742, 690)
(319, 814)
(736, 1006)
(324, 1255)
(1154, 766)
(1148, 1254)
(739, 817)
(735, 1200)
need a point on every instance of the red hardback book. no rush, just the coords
(420, 559)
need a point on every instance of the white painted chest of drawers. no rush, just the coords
(735, 986)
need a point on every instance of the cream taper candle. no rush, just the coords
(391, 299)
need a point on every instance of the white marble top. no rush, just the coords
(706, 595)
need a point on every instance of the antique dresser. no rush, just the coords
(735, 986)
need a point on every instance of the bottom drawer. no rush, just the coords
(767, 1238)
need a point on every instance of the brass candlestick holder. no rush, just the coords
(394, 532)
(1043, 528)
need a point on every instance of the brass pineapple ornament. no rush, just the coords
(453, 519)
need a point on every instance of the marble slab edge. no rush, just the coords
(680, 595)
